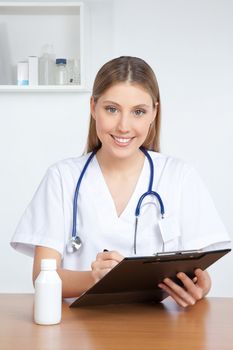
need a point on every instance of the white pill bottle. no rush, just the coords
(48, 294)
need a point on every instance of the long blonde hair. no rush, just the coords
(135, 71)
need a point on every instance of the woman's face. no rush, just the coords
(123, 115)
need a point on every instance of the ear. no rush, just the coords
(92, 107)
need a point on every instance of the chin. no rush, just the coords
(123, 152)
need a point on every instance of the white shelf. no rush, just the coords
(10, 4)
(25, 27)
(43, 88)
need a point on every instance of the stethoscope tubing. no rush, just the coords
(76, 193)
(149, 192)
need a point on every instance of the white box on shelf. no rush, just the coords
(33, 70)
(22, 73)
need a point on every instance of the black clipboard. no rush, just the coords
(136, 279)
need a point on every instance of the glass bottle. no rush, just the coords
(73, 69)
(61, 72)
(46, 66)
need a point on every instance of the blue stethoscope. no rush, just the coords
(75, 242)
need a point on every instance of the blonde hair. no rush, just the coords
(135, 71)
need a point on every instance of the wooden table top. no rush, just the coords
(208, 326)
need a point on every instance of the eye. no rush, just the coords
(111, 109)
(139, 112)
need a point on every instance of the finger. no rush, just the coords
(113, 255)
(101, 268)
(100, 256)
(180, 291)
(103, 264)
(193, 289)
(170, 292)
(202, 277)
(98, 274)
(195, 280)
(108, 264)
(203, 280)
(109, 255)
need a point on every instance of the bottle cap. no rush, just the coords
(61, 61)
(48, 264)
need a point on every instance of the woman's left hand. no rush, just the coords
(191, 291)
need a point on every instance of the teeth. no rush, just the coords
(118, 139)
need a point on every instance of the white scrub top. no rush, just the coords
(191, 220)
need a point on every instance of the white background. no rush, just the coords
(189, 45)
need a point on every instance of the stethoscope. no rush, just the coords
(75, 242)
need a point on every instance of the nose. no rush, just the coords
(123, 124)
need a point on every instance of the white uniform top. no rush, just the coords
(191, 220)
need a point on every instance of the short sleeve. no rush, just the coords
(200, 223)
(43, 221)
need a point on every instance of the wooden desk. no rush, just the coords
(206, 326)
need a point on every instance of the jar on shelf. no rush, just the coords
(46, 65)
(61, 75)
(73, 69)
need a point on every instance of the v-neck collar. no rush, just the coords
(131, 205)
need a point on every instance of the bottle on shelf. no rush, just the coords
(48, 294)
(73, 69)
(22, 73)
(46, 66)
(61, 71)
(33, 70)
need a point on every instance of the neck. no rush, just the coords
(122, 165)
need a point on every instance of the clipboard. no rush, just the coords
(136, 279)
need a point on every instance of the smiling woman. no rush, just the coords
(134, 73)
(96, 197)
(123, 116)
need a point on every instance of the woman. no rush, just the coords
(125, 115)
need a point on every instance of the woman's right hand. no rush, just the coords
(104, 262)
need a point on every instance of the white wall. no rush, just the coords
(38, 129)
(189, 45)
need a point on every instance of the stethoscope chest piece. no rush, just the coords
(74, 244)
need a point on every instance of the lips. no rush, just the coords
(122, 141)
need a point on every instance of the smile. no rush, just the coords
(122, 140)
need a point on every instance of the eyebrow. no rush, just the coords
(117, 104)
